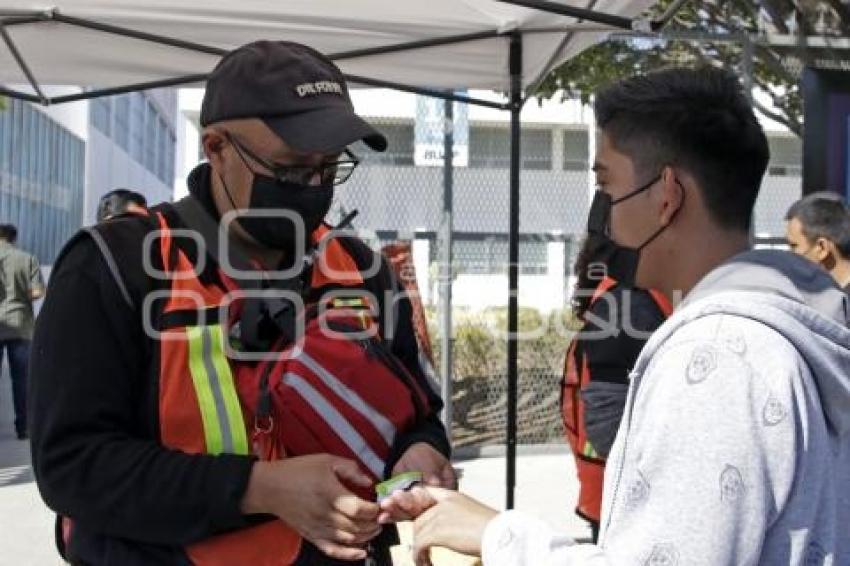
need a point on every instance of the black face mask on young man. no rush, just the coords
(620, 261)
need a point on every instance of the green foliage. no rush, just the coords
(776, 70)
(480, 341)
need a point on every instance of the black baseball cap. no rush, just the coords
(298, 92)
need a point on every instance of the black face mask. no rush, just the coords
(620, 261)
(309, 203)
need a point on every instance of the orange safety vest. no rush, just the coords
(204, 403)
(590, 467)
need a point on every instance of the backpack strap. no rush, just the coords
(109, 258)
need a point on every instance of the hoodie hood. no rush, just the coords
(795, 298)
(781, 274)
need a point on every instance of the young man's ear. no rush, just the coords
(672, 195)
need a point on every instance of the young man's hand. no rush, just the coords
(436, 471)
(442, 518)
(309, 494)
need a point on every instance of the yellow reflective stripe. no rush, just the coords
(340, 303)
(228, 393)
(203, 392)
(589, 451)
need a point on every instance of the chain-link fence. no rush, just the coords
(399, 195)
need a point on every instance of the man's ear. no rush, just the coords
(672, 195)
(213, 143)
(824, 252)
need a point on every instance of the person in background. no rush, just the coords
(21, 283)
(120, 202)
(616, 324)
(818, 228)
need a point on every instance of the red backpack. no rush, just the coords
(327, 382)
(337, 390)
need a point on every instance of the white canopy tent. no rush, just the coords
(438, 44)
(432, 47)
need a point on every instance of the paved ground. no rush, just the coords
(26, 534)
(545, 478)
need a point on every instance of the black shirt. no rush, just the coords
(624, 319)
(94, 425)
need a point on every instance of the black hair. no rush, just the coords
(115, 203)
(824, 215)
(9, 233)
(698, 120)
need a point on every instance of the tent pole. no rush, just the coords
(19, 95)
(410, 46)
(513, 262)
(574, 12)
(89, 94)
(447, 272)
(433, 93)
(135, 34)
(13, 49)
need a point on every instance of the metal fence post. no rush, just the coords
(447, 271)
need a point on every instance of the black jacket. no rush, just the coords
(94, 412)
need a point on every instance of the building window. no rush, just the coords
(536, 148)
(576, 152)
(399, 146)
(490, 148)
(786, 156)
(41, 179)
(137, 126)
(151, 137)
(121, 110)
(489, 256)
(169, 158)
(162, 151)
(100, 112)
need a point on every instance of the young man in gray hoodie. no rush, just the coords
(734, 447)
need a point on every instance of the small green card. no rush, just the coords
(402, 481)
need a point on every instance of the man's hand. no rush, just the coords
(436, 471)
(443, 518)
(309, 494)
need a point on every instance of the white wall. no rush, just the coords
(542, 292)
(189, 107)
(109, 167)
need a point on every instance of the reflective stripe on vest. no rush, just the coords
(589, 450)
(379, 421)
(338, 423)
(221, 413)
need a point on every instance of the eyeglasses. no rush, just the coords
(330, 173)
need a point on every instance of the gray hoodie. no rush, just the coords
(734, 447)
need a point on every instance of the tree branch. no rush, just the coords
(776, 17)
(792, 125)
(843, 12)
